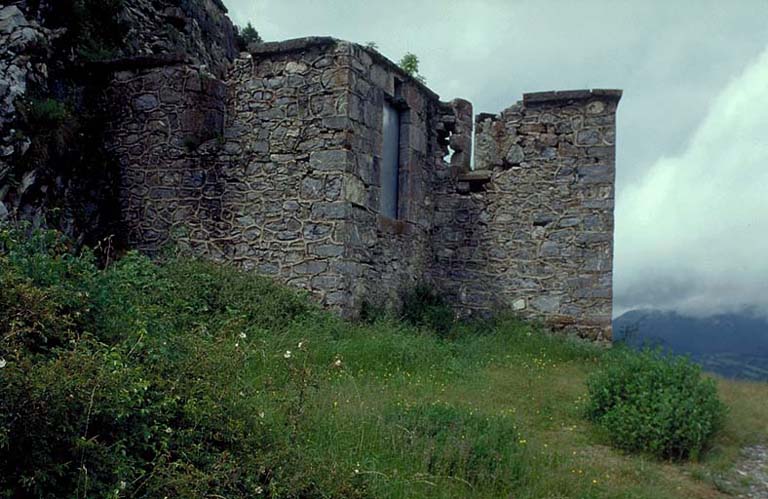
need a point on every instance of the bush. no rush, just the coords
(46, 113)
(424, 307)
(135, 380)
(246, 36)
(655, 403)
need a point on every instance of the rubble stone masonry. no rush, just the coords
(274, 162)
(278, 169)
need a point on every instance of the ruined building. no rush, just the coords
(321, 163)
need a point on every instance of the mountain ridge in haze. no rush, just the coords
(732, 344)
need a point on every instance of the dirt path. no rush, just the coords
(753, 466)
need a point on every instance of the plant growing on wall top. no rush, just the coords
(246, 36)
(410, 64)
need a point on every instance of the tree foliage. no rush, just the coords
(247, 35)
(410, 64)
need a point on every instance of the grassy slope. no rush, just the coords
(537, 382)
(386, 409)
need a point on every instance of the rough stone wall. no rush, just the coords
(197, 30)
(56, 174)
(288, 142)
(531, 229)
(389, 255)
(166, 131)
(249, 171)
(273, 163)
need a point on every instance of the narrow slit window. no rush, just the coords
(390, 161)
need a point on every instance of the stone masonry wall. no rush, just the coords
(249, 171)
(164, 131)
(389, 255)
(531, 229)
(277, 169)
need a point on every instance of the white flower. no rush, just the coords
(259, 490)
(3, 363)
(337, 363)
(301, 345)
(237, 345)
(123, 485)
(242, 336)
(261, 414)
(168, 430)
(287, 354)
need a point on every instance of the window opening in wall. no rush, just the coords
(390, 161)
(451, 151)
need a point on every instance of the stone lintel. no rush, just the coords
(476, 176)
(567, 95)
(292, 45)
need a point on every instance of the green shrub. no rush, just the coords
(46, 113)
(246, 36)
(655, 403)
(44, 287)
(138, 379)
(424, 307)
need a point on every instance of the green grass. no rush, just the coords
(225, 383)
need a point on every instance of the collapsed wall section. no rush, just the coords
(531, 229)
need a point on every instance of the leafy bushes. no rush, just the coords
(246, 36)
(424, 307)
(134, 380)
(654, 403)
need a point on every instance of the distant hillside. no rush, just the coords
(734, 345)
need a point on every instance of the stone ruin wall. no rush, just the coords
(531, 229)
(35, 64)
(249, 171)
(273, 163)
(390, 256)
(277, 170)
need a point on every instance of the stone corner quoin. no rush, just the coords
(321, 163)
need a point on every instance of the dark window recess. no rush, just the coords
(390, 161)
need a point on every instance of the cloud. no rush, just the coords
(692, 235)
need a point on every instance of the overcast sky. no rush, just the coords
(692, 138)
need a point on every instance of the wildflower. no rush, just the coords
(337, 363)
(261, 414)
(3, 363)
(237, 345)
(301, 345)
(123, 485)
(259, 490)
(168, 430)
(287, 354)
(242, 336)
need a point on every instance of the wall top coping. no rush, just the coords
(566, 95)
(299, 44)
(292, 45)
